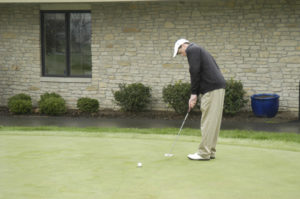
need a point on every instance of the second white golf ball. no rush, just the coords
(139, 164)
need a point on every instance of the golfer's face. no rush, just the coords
(181, 50)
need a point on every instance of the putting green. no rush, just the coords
(81, 165)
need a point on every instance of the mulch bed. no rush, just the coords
(247, 116)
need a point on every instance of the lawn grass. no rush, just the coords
(239, 134)
(71, 163)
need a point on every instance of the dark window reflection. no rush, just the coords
(80, 42)
(67, 44)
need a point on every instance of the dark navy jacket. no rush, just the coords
(205, 73)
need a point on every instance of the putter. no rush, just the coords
(170, 154)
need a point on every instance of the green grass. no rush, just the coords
(76, 163)
(240, 134)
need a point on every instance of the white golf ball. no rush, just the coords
(139, 164)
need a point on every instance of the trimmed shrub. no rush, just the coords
(20, 96)
(52, 104)
(48, 95)
(133, 97)
(234, 97)
(20, 104)
(177, 96)
(88, 105)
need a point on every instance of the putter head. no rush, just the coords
(168, 154)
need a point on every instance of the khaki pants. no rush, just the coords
(212, 110)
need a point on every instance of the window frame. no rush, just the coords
(68, 52)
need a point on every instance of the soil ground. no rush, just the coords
(246, 116)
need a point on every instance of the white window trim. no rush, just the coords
(72, 6)
(66, 80)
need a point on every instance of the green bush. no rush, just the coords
(88, 105)
(234, 97)
(20, 104)
(133, 97)
(48, 95)
(20, 96)
(177, 96)
(52, 104)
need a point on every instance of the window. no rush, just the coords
(66, 43)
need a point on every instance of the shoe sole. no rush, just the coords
(199, 159)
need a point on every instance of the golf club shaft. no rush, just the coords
(179, 132)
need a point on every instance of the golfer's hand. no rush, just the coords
(192, 102)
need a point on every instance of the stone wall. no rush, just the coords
(19, 51)
(257, 42)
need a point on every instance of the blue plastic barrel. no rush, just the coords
(265, 105)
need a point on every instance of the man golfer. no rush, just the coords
(207, 80)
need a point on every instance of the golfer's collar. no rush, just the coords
(190, 45)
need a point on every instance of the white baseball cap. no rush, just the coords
(178, 43)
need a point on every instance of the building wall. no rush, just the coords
(257, 42)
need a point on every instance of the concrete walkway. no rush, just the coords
(287, 126)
